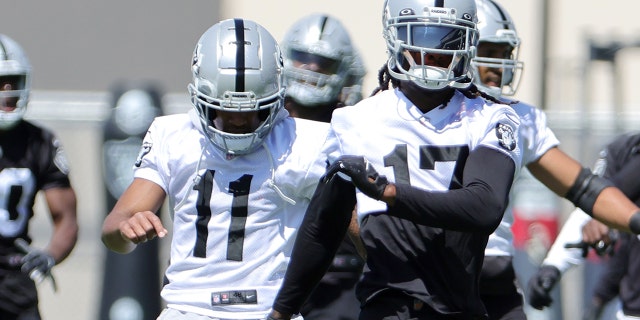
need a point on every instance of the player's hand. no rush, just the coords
(36, 263)
(540, 286)
(142, 227)
(594, 231)
(362, 175)
(600, 237)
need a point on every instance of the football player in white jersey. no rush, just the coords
(238, 174)
(323, 71)
(444, 162)
(497, 71)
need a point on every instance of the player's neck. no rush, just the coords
(427, 100)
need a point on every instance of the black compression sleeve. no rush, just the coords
(585, 190)
(321, 232)
(477, 207)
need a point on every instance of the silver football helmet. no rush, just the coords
(237, 67)
(417, 29)
(322, 40)
(14, 64)
(352, 90)
(496, 26)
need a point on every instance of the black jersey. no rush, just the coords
(31, 159)
(621, 159)
(620, 278)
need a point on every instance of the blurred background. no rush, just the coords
(580, 58)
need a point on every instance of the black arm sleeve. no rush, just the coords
(324, 226)
(476, 207)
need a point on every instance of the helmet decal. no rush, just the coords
(240, 52)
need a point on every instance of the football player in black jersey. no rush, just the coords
(31, 160)
(619, 162)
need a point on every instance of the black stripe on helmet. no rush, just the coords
(323, 23)
(3, 51)
(240, 54)
(502, 15)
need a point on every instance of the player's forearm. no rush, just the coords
(614, 209)
(63, 239)
(112, 237)
(62, 208)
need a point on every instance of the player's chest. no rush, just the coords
(229, 187)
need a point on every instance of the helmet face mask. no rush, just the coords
(319, 57)
(237, 72)
(497, 30)
(430, 45)
(351, 92)
(15, 82)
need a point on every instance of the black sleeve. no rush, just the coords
(608, 286)
(321, 232)
(53, 165)
(476, 207)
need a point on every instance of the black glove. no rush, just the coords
(36, 263)
(362, 175)
(540, 286)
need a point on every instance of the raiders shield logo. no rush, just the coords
(146, 148)
(506, 136)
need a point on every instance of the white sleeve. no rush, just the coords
(561, 257)
(147, 164)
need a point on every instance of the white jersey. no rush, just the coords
(410, 139)
(535, 139)
(234, 226)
